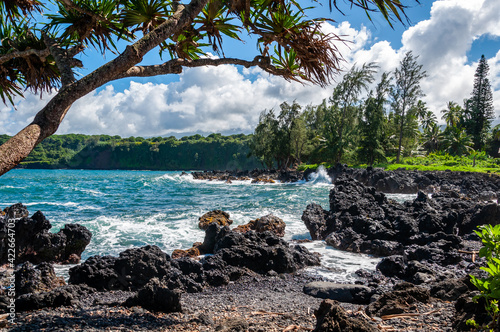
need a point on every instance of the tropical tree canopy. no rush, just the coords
(42, 42)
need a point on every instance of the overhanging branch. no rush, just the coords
(24, 54)
(175, 66)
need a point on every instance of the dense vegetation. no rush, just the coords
(389, 124)
(390, 127)
(113, 152)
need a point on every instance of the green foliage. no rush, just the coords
(489, 286)
(479, 111)
(158, 153)
(443, 161)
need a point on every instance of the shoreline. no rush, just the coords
(437, 267)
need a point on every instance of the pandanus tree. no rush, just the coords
(40, 50)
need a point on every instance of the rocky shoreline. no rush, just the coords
(250, 279)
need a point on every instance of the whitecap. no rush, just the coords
(337, 265)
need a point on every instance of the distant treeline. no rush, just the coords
(159, 153)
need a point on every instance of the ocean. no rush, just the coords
(126, 209)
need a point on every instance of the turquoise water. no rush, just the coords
(125, 209)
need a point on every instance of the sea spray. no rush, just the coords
(320, 176)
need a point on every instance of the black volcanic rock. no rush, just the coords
(234, 255)
(31, 279)
(363, 220)
(156, 296)
(34, 243)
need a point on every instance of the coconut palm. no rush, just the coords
(452, 114)
(457, 142)
(432, 138)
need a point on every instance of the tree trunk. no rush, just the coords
(400, 135)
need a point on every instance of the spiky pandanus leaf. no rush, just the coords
(85, 28)
(11, 9)
(145, 15)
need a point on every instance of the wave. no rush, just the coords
(11, 187)
(175, 178)
(339, 266)
(320, 177)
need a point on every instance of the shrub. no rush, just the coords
(489, 286)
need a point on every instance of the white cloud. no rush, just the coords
(227, 99)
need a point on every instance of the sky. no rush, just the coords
(448, 36)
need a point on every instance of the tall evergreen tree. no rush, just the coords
(344, 98)
(405, 93)
(479, 108)
(372, 124)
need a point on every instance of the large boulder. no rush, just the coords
(156, 296)
(363, 220)
(133, 269)
(269, 223)
(31, 279)
(215, 216)
(34, 242)
(262, 252)
(339, 292)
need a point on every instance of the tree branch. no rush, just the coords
(63, 62)
(175, 66)
(50, 117)
(24, 54)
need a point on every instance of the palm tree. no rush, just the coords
(452, 114)
(429, 120)
(432, 138)
(457, 142)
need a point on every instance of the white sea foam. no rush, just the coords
(339, 266)
(67, 204)
(401, 198)
(11, 187)
(320, 177)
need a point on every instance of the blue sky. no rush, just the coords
(449, 37)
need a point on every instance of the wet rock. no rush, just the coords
(37, 244)
(398, 300)
(330, 317)
(314, 217)
(68, 295)
(269, 223)
(339, 292)
(191, 252)
(31, 279)
(215, 216)
(156, 296)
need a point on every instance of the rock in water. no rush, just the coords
(269, 223)
(34, 242)
(330, 317)
(215, 216)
